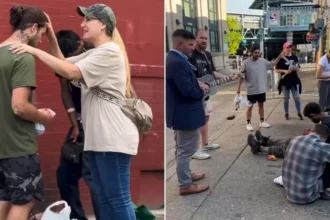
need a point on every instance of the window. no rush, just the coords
(303, 19)
(289, 20)
(283, 20)
(213, 26)
(189, 15)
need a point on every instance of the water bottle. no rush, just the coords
(40, 129)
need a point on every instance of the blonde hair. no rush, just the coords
(118, 40)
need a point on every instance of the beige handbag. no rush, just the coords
(135, 109)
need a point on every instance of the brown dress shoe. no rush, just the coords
(196, 177)
(193, 189)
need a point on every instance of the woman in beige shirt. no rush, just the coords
(111, 138)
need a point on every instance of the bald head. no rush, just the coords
(201, 39)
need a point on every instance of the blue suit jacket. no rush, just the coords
(184, 97)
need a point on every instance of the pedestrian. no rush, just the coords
(323, 75)
(184, 109)
(202, 60)
(111, 138)
(20, 172)
(70, 172)
(255, 71)
(289, 67)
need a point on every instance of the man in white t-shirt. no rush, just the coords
(323, 75)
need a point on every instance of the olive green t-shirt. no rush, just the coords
(18, 137)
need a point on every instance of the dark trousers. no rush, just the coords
(278, 147)
(326, 177)
(324, 94)
(111, 182)
(68, 176)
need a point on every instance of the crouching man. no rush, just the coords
(306, 169)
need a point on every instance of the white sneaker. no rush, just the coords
(264, 124)
(211, 146)
(249, 127)
(200, 155)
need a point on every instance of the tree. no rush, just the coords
(234, 35)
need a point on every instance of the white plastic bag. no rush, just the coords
(278, 180)
(63, 215)
(241, 102)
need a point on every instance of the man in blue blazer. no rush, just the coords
(184, 109)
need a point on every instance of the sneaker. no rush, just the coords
(255, 145)
(211, 146)
(326, 194)
(300, 116)
(200, 155)
(286, 116)
(261, 139)
(249, 127)
(264, 124)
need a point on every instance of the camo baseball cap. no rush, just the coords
(100, 12)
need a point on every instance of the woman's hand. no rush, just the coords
(22, 48)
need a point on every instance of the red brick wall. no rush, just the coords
(142, 28)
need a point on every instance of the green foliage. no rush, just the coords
(234, 35)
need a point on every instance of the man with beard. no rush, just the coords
(69, 173)
(255, 71)
(203, 63)
(20, 172)
(314, 112)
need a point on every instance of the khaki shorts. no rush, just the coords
(208, 107)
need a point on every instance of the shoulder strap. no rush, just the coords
(210, 68)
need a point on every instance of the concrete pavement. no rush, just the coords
(241, 184)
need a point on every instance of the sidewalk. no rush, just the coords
(241, 184)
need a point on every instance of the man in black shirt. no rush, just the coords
(69, 173)
(288, 67)
(203, 63)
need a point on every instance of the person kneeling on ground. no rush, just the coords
(306, 168)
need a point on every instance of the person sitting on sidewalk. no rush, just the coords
(278, 147)
(314, 112)
(306, 168)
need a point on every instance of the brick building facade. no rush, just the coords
(142, 28)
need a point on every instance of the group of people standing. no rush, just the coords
(188, 109)
(108, 138)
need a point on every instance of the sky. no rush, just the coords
(240, 6)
